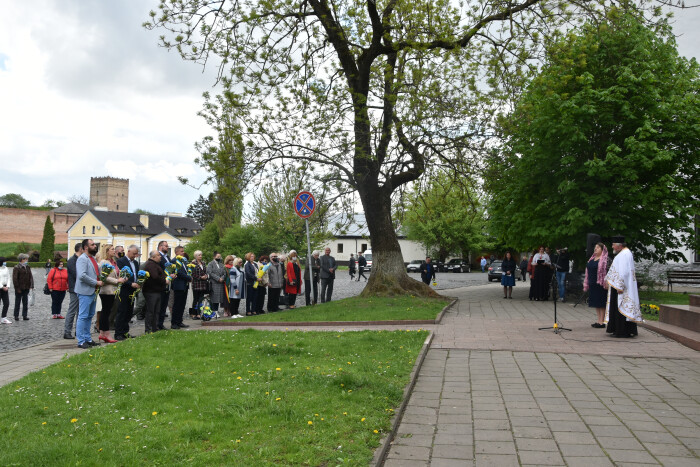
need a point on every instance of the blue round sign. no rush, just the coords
(304, 204)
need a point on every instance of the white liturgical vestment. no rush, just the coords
(621, 276)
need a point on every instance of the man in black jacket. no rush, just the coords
(328, 267)
(164, 261)
(361, 263)
(180, 285)
(427, 271)
(73, 303)
(126, 307)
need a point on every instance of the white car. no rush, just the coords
(368, 257)
(414, 266)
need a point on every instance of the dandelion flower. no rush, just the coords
(99, 450)
(274, 345)
(127, 437)
(43, 423)
(310, 422)
(375, 431)
(315, 415)
(236, 378)
(73, 420)
(97, 423)
(345, 413)
(278, 369)
(154, 413)
(363, 419)
(278, 399)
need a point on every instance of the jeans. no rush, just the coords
(326, 289)
(56, 301)
(23, 297)
(86, 310)
(561, 283)
(72, 313)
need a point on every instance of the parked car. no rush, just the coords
(495, 271)
(458, 265)
(414, 265)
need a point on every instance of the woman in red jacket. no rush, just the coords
(293, 284)
(57, 281)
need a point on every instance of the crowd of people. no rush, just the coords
(127, 288)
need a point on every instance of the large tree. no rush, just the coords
(368, 93)
(201, 210)
(606, 139)
(14, 200)
(47, 241)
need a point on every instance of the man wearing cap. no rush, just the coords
(623, 311)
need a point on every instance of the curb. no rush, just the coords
(685, 340)
(411, 322)
(381, 452)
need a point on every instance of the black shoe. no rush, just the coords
(161, 327)
(183, 325)
(92, 343)
(84, 345)
(24, 318)
(68, 336)
(120, 338)
(174, 326)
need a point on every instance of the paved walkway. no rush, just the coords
(496, 391)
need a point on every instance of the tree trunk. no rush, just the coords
(388, 275)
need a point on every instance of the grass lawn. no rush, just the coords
(8, 249)
(361, 309)
(657, 297)
(212, 398)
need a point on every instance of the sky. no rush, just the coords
(85, 91)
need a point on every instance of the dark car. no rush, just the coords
(495, 270)
(458, 265)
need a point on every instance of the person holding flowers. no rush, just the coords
(109, 274)
(200, 283)
(179, 285)
(128, 269)
(251, 278)
(263, 267)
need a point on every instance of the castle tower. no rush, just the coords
(109, 192)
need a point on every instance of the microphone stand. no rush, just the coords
(555, 289)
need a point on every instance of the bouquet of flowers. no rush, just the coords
(141, 277)
(105, 271)
(125, 274)
(261, 272)
(190, 269)
(170, 268)
(207, 313)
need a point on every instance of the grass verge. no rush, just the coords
(221, 398)
(360, 309)
(651, 299)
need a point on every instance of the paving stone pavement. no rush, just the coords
(495, 391)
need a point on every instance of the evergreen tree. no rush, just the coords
(47, 242)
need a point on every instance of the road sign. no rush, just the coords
(304, 204)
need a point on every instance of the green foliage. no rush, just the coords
(47, 241)
(207, 241)
(446, 217)
(606, 140)
(141, 211)
(14, 200)
(240, 239)
(201, 210)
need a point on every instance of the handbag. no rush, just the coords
(46, 289)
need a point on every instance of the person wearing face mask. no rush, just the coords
(57, 280)
(4, 290)
(217, 281)
(23, 282)
(275, 276)
(119, 251)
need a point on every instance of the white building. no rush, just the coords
(354, 238)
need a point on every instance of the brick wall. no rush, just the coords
(27, 225)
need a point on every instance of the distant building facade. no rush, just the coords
(123, 228)
(27, 225)
(109, 192)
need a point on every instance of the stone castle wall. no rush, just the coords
(27, 225)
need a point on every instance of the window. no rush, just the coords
(83, 230)
(117, 207)
(363, 247)
(340, 247)
(93, 229)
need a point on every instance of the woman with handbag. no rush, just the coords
(57, 283)
(200, 284)
(107, 255)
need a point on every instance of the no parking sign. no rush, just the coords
(304, 204)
